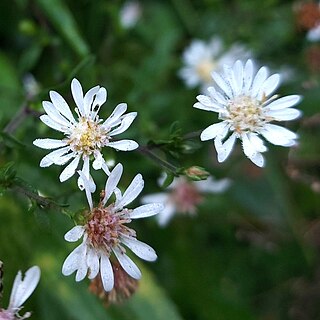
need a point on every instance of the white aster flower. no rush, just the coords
(201, 58)
(244, 103)
(86, 136)
(130, 14)
(105, 232)
(21, 291)
(183, 196)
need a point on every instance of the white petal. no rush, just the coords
(49, 143)
(99, 100)
(82, 268)
(146, 210)
(199, 105)
(70, 169)
(248, 76)
(212, 185)
(125, 123)
(71, 264)
(269, 85)
(112, 182)
(127, 264)
(206, 103)
(132, 191)
(92, 263)
(284, 102)
(86, 171)
(64, 159)
(141, 249)
(53, 124)
(250, 151)
(53, 157)
(86, 186)
(22, 289)
(124, 145)
(88, 99)
(74, 234)
(54, 114)
(61, 105)
(216, 129)
(258, 159)
(224, 149)
(166, 214)
(106, 273)
(278, 135)
(258, 81)
(155, 197)
(98, 161)
(77, 93)
(284, 114)
(237, 77)
(257, 142)
(119, 110)
(225, 87)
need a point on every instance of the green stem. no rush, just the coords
(166, 165)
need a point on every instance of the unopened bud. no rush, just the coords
(196, 173)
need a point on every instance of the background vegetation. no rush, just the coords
(250, 253)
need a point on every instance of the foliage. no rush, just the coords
(249, 253)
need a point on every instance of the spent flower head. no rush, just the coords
(106, 232)
(246, 106)
(124, 286)
(85, 136)
(201, 58)
(21, 291)
(183, 196)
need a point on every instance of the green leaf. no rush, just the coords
(61, 17)
(7, 173)
(11, 141)
(168, 180)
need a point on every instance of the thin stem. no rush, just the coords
(19, 117)
(166, 165)
(41, 201)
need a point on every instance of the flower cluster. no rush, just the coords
(105, 232)
(247, 108)
(183, 196)
(201, 58)
(246, 105)
(85, 137)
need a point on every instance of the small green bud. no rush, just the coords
(196, 173)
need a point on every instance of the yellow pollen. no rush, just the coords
(204, 70)
(246, 114)
(87, 136)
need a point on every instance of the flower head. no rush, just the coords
(183, 196)
(21, 291)
(201, 58)
(106, 232)
(244, 103)
(85, 137)
(124, 286)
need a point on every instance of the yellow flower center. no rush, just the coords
(245, 114)
(87, 136)
(204, 70)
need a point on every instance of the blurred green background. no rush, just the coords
(250, 253)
